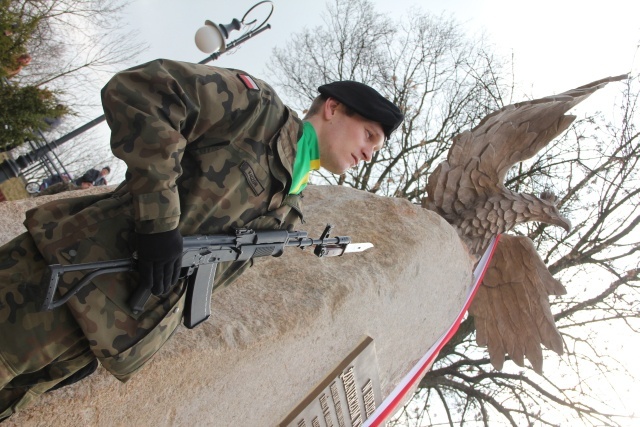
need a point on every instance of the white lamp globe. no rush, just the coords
(209, 38)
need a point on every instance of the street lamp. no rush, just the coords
(212, 38)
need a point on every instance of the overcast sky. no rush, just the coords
(557, 44)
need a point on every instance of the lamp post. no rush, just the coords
(211, 38)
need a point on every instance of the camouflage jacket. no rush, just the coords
(207, 150)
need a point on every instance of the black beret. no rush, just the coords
(365, 101)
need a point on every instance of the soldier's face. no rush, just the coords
(346, 140)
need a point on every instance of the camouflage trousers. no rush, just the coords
(38, 350)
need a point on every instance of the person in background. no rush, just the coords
(57, 184)
(54, 179)
(93, 178)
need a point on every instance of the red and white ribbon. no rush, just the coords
(408, 383)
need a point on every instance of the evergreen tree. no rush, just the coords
(28, 108)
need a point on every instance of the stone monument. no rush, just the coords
(289, 324)
(300, 340)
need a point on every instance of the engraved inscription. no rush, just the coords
(349, 383)
(369, 399)
(346, 397)
(325, 410)
(336, 402)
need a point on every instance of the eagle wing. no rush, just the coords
(479, 159)
(511, 308)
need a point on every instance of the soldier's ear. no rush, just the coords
(329, 108)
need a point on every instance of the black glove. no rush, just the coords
(159, 260)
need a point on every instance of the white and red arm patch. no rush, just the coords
(248, 82)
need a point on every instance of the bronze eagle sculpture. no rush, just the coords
(511, 309)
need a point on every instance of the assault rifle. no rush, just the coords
(200, 258)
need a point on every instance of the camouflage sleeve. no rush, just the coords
(154, 111)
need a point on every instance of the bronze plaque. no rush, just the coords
(346, 397)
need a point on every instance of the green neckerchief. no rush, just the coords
(307, 159)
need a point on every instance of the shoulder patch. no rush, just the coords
(248, 81)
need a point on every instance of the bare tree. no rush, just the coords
(75, 42)
(445, 83)
(441, 80)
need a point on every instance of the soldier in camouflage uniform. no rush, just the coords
(207, 150)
